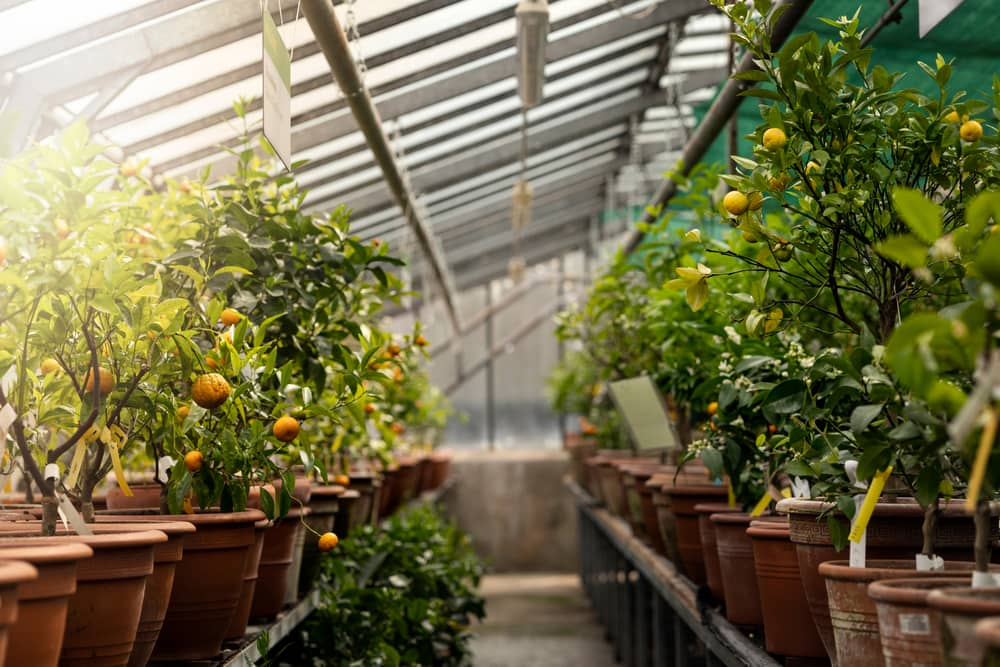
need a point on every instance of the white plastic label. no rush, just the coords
(165, 464)
(858, 549)
(914, 624)
(929, 563)
(68, 512)
(52, 471)
(983, 580)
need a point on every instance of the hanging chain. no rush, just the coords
(354, 37)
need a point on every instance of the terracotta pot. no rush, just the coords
(374, 489)
(275, 560)
(36, 637)
(208, 583)
(682, 502)
(909, 630)
(894, 532)
(144, 496)
(648, 510)
(156, 598)
(424, 470)
(441, 466)
(241, 617)
(343, 523)
(103, 614)
(407, 480)
(612, 492)
(789, 629)
(853, 614)
(580, 449)
(709, 548)
(961, 609)
(13, 575)
(988, 634)
(633, 476)
(323, 505)
(736, 566)
(593, 477)
(295, 569)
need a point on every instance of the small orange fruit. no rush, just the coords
(420, 341)
(376, 242)
(369, 408)
(736, 203)
(129, 168)
(193, 460)
(183, 412)
(778, 183)
(771, 428)
(713, 407)
(185, 187)
(952, 117)
(756, 201)
(397, 374)
(328, 542)
(211, 363)
(107, 380)
(398, 428)
(210, 390)
(394, 350)
(50, 365)
(342, 480)
(971, 131)
(230, 317)
(62, 229)
(774, 138)
(286, 428)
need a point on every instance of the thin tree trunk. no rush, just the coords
(930, 528)
(983, 534)
(50, 514)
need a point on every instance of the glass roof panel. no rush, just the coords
(42, 20)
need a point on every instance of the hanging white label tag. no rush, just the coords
(800, 488)
(51, 471)
(164, 465)
(858, 549)
(68, 512)
(7, 417)
(983, 580)
(929, 563)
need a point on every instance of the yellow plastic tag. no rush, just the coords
(732, 496)
(868, 506)
(761, 505)
(115, 439)
(982, 458)
(786, 492)
(76, 464)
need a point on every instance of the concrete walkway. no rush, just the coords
(538, 620)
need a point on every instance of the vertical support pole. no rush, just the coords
(560, 345)
(641, 621)
(681, 637)
(663, 631)
(491, 426)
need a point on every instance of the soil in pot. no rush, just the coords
(156, 598)
(909, 629)
(323, 505)
(706, 531)
(736, 566)
(682, 503)
(789, 629)
(961, 609)
(275, 561)
(895, 532)
(13, 575)
(853, 614)
(103, 614)
(238, 625)
(36, 637)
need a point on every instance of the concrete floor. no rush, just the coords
(538, 620)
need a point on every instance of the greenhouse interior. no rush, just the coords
(545, 333)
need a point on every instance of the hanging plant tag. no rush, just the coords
(864, 513)
(858, 549)
(69, 514)
(732, 495)
(762, 504)
(982, 458)
(277, 96)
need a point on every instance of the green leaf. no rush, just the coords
(838, 532)
(920, 214)
(987, 260)
(906, 250)
(786, 398)
(712, 459)
(863, 416)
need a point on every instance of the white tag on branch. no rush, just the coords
(984, 580)
(858, 549)
(165, 464)
(929, 563)
(52, 471)
(8, 379)
(68, 512)
(7, 417)
(800, 488)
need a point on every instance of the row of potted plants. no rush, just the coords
(827, 351)
(218, 344)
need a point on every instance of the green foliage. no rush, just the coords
(400, 595)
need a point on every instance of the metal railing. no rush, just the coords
(650, 611)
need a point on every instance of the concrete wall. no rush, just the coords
(515, 507)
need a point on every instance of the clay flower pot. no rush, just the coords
(988, 633)
(323, 508)
(408, 479)
(611, 487)
(895, 532)
(648, 509)
(102, 617)
(593, 478)
(374, 490)
(736, 565)
(144, 496)
(706, 531)
(238, 625)
(580, 448)
(346, 518)
(36, 637)
(853, 614)
(275, 560)
(633, 476)
(156, 598)
(909, 629)
(13, 575)
(961, 609)
(440, 467)
(682, 502)
(789, 629)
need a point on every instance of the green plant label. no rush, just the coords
(645, 413)
(277, 99)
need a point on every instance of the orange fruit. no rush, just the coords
(342, 480)
(397, 374)
(50, 365)
(129, 169)
(369, 408)
(210, 390)
(375, 242)
(713, 407)
(398, 428)
(778, 183)
(183, 412)
(193, 460)
(756, 201)
(62, 229)
(211, 363)
(952, 117)
(420, 341)
(736, 203)
(286, 428)
(107, 380)
(774, 138)
(771, 428)
(971, 131)
(394, 350)
(185, 187)
(328, 541)
(230, 317)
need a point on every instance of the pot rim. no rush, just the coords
(904, 506)
(16, 572)
(53, 551)
(959, 600)
(988, 631)
(695, 489)
(125, 540)
(888, 569)
(731, 518)
(327, 490)
(911, 590)
(716, 508)
(350, 494)
(127, 522)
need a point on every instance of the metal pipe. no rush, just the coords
(333, 42)
(722, 109)
(892, 15)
